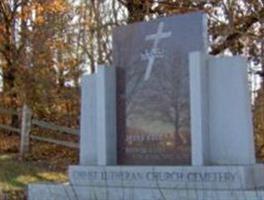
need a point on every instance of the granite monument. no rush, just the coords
(164, 123)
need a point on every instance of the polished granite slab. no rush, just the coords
(153, 88)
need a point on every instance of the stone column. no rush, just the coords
(231, 127)
(98, 138)
(88, 145)
(221, 119)
(198, 71)
(106, 116)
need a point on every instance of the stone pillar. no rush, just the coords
(106, 116)
(221, 119)
(198, 71)
(88, 141)
(231, 129)
(98, 142)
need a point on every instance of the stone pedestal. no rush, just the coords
(60, 192)
(161, 183)
(181, 178)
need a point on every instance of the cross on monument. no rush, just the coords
(156, 37)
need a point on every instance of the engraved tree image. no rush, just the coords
(154, 100)
(165, 98)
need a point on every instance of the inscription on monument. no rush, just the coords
(156, 176)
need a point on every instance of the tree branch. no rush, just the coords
(242, 28)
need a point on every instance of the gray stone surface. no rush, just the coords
(154, 58)
(214, 177)
(230, 123)
(106, 116)
(221, 125)
(88, 145)
(50, 192)
(98, 145)
(56, 192)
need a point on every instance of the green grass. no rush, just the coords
(16, 174)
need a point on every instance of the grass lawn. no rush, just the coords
(45, 163)
(16, 174)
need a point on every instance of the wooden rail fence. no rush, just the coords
(27, 122)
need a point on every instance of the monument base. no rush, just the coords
(63, 192)
(156, 183)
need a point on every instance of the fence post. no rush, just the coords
(25, 130)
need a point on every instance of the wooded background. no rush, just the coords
(46, 45)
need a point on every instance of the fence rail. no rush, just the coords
(58, 142)
(9, 128)
(48, 125)
(9, 111)
(26, 125)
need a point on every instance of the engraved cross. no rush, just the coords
(156, 37)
